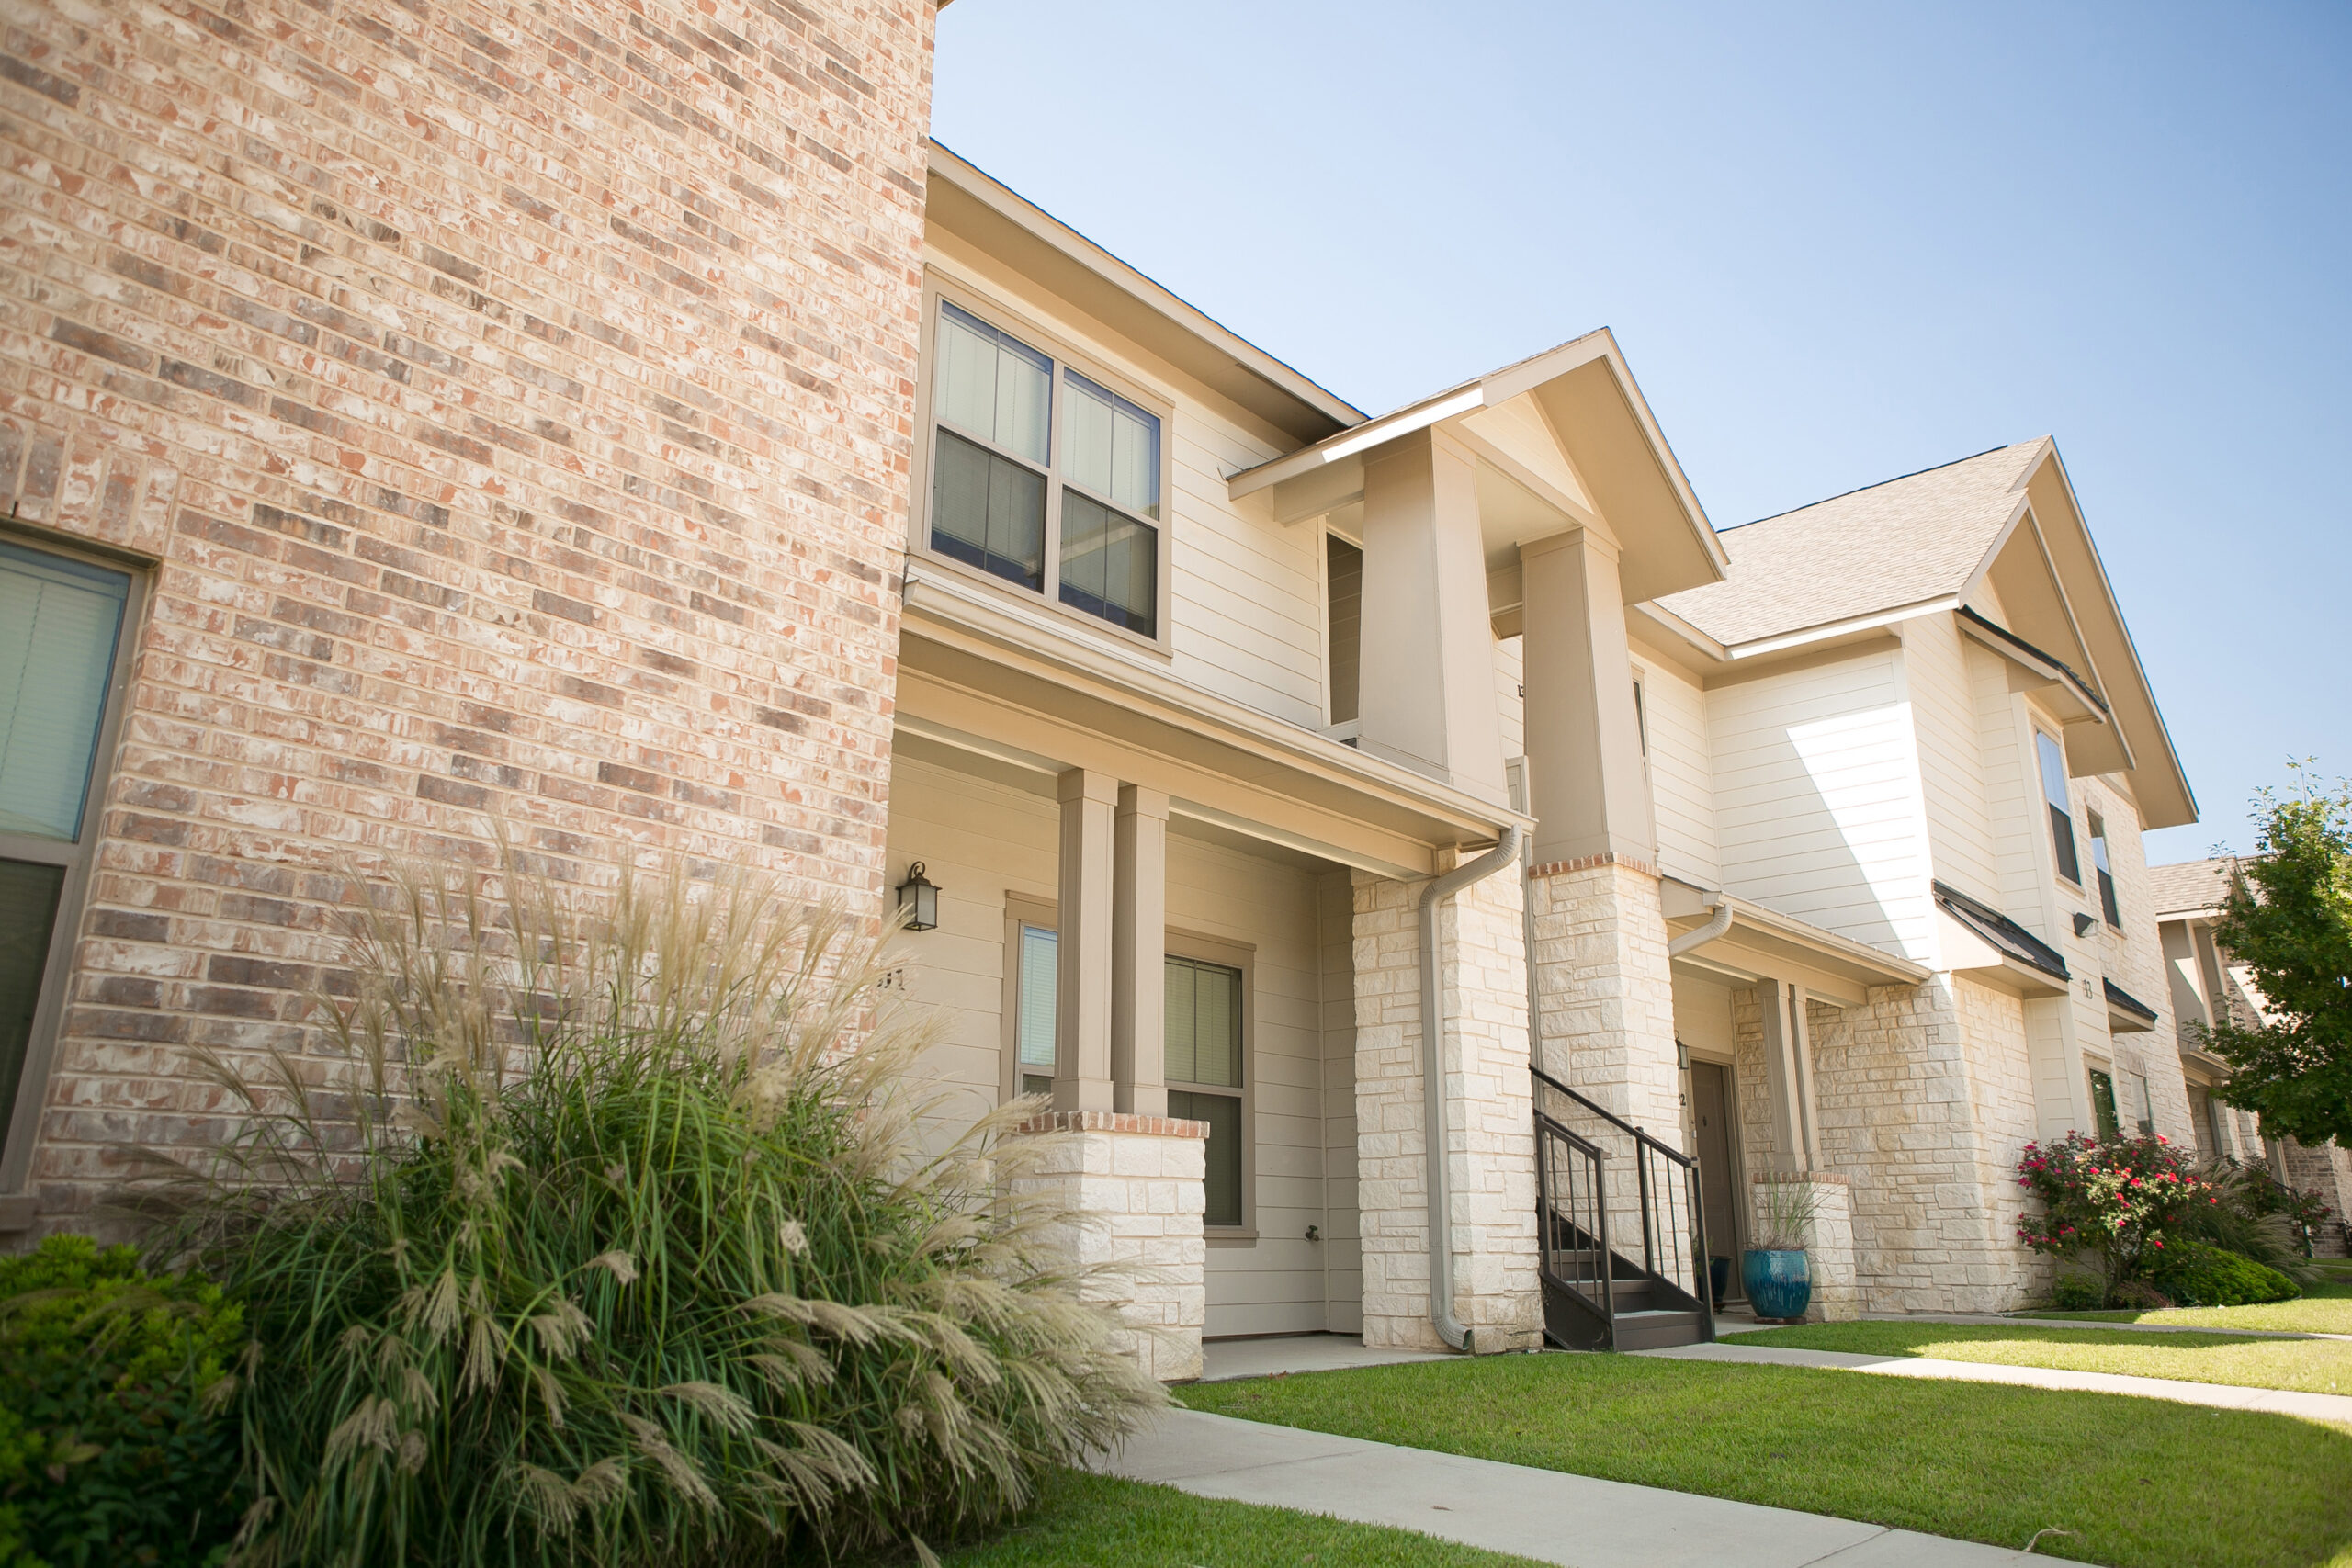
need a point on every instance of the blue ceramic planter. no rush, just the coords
(1779, 1283)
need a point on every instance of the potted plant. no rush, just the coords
(1775, 1271)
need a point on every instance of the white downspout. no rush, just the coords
(1434, 1083)
(1702, 935)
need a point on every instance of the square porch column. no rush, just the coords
(1426, 682)
(1083, 984)
(1139, 953)
(1788, 1076)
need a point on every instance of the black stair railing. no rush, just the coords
(1588, 1143)
(1572, 1220)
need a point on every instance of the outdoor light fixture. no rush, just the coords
(919, 899)
(2082, 924)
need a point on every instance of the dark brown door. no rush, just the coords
(1710, 1109)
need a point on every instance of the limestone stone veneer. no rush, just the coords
(1130, 1190)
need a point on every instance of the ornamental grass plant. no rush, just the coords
(621, 1239)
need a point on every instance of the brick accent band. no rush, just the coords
(1112, 1122)
(1586, 862)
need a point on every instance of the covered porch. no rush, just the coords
(1147, 916)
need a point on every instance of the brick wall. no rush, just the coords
(514, 402)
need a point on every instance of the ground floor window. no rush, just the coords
(1204, 1065)
(62, 623)
(2147, 1105)
(2103, 1104)
(1034, 1024)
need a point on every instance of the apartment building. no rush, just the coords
(2209, 987)
(1427, 872)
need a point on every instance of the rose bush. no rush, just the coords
(2115, 1203)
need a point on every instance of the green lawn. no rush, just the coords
(1092, 1521)
(2145, 1484)
(2320, 1309)
(2310, 1366)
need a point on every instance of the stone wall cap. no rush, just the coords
(1817, 1178)
(1112, 1122)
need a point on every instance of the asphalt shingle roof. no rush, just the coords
(1894, 544)
(2194, 885)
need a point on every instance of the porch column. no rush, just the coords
(1083, 1011)
(1584, 738)
(1138, 952)
(1788, 1076)
(1426, 685)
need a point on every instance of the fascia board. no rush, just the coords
(1676, 626)
(1353, 442)
(2178, 779)
(1828, 629)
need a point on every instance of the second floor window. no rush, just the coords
(1017, 491)
(2106, 871)
(2062, 811)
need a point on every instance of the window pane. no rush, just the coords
(1039, 952)
(1110, 447)
(2061, 820)
(2147, 1105)
(2103, 1104)
(58, 624)
(28, 913)
(988, 511)
(1223, 1113)
(1202, 1024)
(1110, 564)
(992, 385)
(1343, 575)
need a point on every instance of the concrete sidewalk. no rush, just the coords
(2331, 1407)
(1572, 1520)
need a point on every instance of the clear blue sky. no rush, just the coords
(1836, 244)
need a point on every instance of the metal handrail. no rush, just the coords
(1596, 1234)
(1646, 1197)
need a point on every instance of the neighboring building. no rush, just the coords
(2208, 989)
(717, 467)
(409, 415)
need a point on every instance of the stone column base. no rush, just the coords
(1131, 1189)
(1829, 1256)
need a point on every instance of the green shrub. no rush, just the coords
(619, 1256)
(2197, 1275)
(2078, 1293)
(2137, 1295)
(113, 1449)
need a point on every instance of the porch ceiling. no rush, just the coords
(1763, 943)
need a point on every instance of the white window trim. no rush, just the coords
(79, 858)
(1046, 342)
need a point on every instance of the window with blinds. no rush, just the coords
(1033, 1021)
(2106, 871)
(1204, 1051)
(60, 626)
(2062, 810)
(1013, 488)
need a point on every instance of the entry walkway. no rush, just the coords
(2335, 1407)
(1573, 1521)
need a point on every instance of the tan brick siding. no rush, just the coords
(515, 402)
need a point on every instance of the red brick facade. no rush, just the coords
(513, 403)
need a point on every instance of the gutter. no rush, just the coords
(1442, 1316)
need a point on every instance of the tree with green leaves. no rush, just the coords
(2287, 918)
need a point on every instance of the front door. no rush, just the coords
(1710, 1116)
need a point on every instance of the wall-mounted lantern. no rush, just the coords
(919, 899)
(2082, 923)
